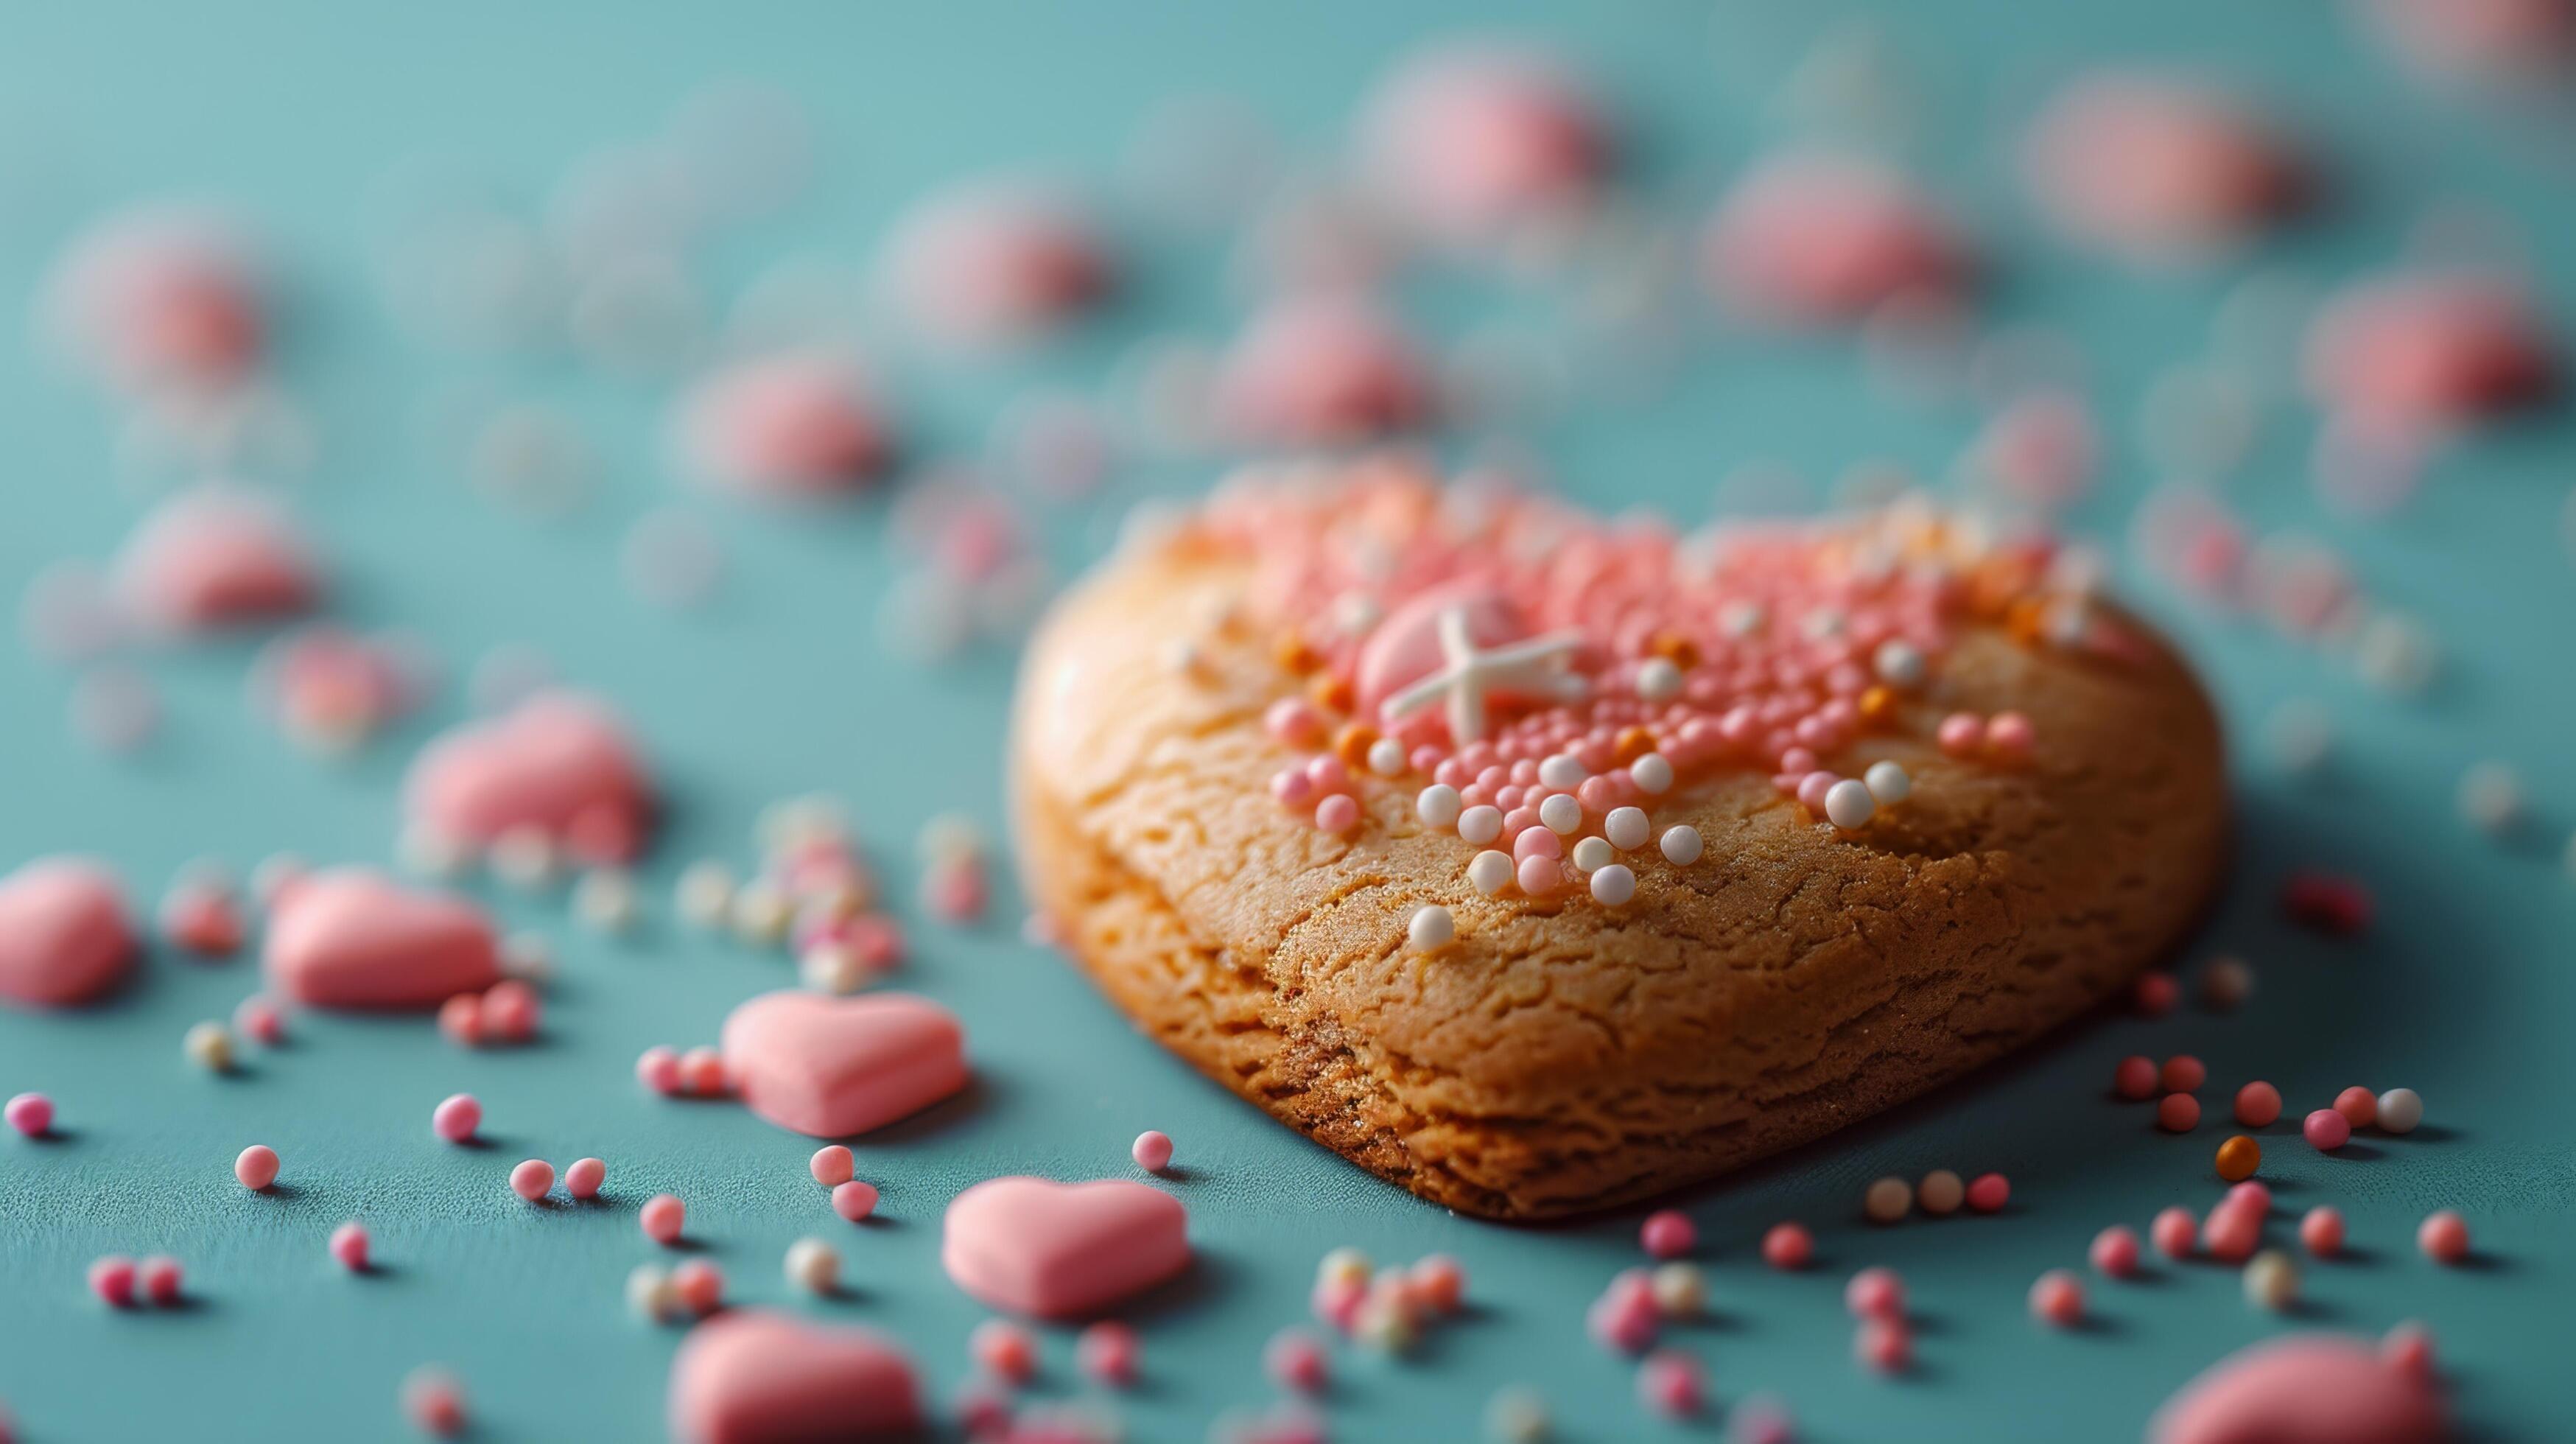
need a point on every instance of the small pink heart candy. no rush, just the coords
(64, 935)
(752, 1376)
(216, 558)
(1405, 647)
(1063, 1250)
(832, 1067)
(559, 762)
(352, 938)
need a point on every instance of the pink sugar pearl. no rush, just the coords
(456, 1117)
(435, 1402)
(30, 1113)
(511, 1010)
(256, 1166)
(2326, 1130)
(2257, 1104)
(700, 1286)
(2156, 994)
(161, 1279)
(1961, 734)
(1337, 814)
(2408, 1348)
(583, 1179)
(1109, 1352)
(1626, 1316)
(1295, 1360)
(2178, 1113)
(663, 1217)
(1875, 1293)
(852, 1200)
(1668, 1233)
(1885, 1345)
(1989, 1193)
(1539, 876)
(2175, 1232)
(1004, 1350)
(2182, 1073)
(2010, 736)
(1151, 1150)
(702, 1072)
(532, 1179)
(112, 1279)
(260, 1020)
(1788, 1246)
(2322, 1231)
(2058, 1298)
(349, 1244)
(832, 1165)
(659, 1069)
(2251, 1194)
(2232, 1232)
(460, 1020)
(1672, 1384)
(2359, 1106)
(1436, 1283)
(2134, 1078)
(2443, 1236)
(2115, 1252)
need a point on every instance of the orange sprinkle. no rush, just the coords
(1331, 693)
(1681, 651)
(1877, 706)
(1633, 743)
(1351, 743)
(1296, 656)
(2026, 620)
(2238, 1157)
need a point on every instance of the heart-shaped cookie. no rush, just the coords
(832, 1067)
(352, 938)
(1664, 853)
(64, 936)
(559, 764)
(1062, 1250)
(752, 1376)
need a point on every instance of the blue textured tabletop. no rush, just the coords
(422, 468)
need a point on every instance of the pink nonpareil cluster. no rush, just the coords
(1387, 1308)
(508, 1012)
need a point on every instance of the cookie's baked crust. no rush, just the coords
(1561, 1056)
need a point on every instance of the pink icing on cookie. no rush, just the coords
(65, 938)
(352, 938)
(2304, 1389)
(215, 558)
(996, 263)
(1322, 370)
(2430, 350)
(830, 1067)
(754, 1376)
(160, 298)
(2158, 169)
(1062, 1250)
(1472, 142)
(559, 763)
(792, 427)
(1823, 239)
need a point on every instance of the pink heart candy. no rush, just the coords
(1405, 647)
(64, 937)
(216, 558)
(752, 1376)
(832, 1067)
(2303, 1389)
(352, 938)
(559, 762)
(1063, 1250)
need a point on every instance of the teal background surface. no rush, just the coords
(294, 113)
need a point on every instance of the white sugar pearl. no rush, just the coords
(527, 957)
(209, 1047)
(2491, 797)
(831, 968)
(427, 852)
(2225, 984)
(1740, 619)
(1899, 663)
(650, 1294)
(1849, 806)
(2272, 1280)
(606, 899)
(1626, 827)
(1480, 824)
(1681, 845)
(1887, 1200)
(1386, 757)
(813, 1265)
(1681, 1290)
(1437, 805)
(705, 894)
(1826, 622)
(1592, 854)
(1489, 872)
(1517, 1416)
(1560, 812)
(1431, 928)
(1888, 782)
(1659, 679)
(761, 913)
(1561, 772)
(1652, 773)
(2400, 1109)
(525, 857)
(1614, 885)
(2396, 653)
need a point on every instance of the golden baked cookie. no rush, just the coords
(1251, 751)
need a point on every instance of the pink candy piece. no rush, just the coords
(2444, 1237)
(1812, 240)
(830, 1067)
(753, 1374)
(1296, 1360)
(2175, 1233)
(64, 935)
(663, 1217)
(1004, 1350)
(854, 1200)
(2359, 1106)
(30, 1113)
(1626, 1317)
(260, 1020)
(216, 558)
(2322, 1231)
(435, 1402)
(1470, 143)
(1672, 1384)
(658, 1068)
(700, 1286)
(161, 298)
(1152, 1151)
(1060, 1250)
(703, 1073)
(1788, 1246)
(160, 1279)
(1989, 1192)
(2157, 993)
(256, 1167)
(2158, 170)
(583, 1178)
(1436, 1284)
(511, 1012)
(532, 1179)
(789, 428)
(1539, 876)
(2505, 43)
(2326, 1130)
(1322, 370)
(2135, 1078)
(349, 1245)
(1875, 1293)
(559, 764)
(1337, 814)
(1668, 1234)
(1886, 1345)
(831, 1165)
(456, 1117)
(112, 1279)
(2115, 1252)
(460, 1020)
(2408, 1348)
(2429, 351)
(2303, 1389)
(2257, 1104)
(2232, 1232)
(2178, 1113)
(1109, 1352)
(995, 264)
(351, 938)
(2182, 1073)
(203, 919)
(2058, 1298)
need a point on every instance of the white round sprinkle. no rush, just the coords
(1681, 1290)
(2225, 984)
(1560, 812)
(1614, 885)
(2396, 653)
(649, 1293)
(1561, 772)
(1386, 757)
(1652, 773)
(1899, 663)
(813, 1265)
(1849, 806)
(1888, 782)
(209, 1047)
(527, 957)
(525, 857)
(1825, 622)
(2491, 797)
(1431, 928)
(1490, 872)
(427, 852)
(2400, 1110)
(1517, 1416)
(1480, 824)
(761, 913)
(1626, 827)
(1592, 854)
(831, 968)
(1681, 845)
(1740, 619)
(1659, 679)
(606, 899)
(1437, 805)
(2272, 1280)
(705, 894)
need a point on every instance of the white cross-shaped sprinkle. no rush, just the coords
(1466, 674)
